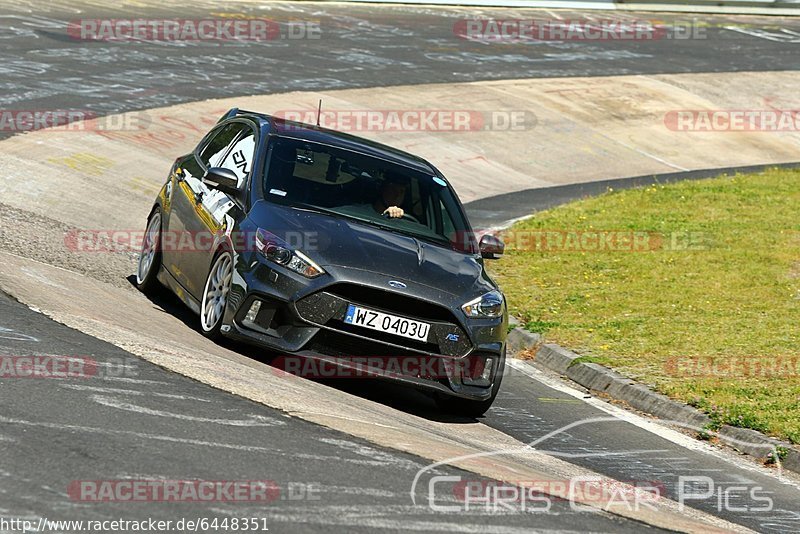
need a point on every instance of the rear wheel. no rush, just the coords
(150, 255)
(215, 295)
(471, 408)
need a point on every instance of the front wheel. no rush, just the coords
(215, 295)
(471, 408)
(150, 255)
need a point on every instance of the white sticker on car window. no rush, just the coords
(277, 192)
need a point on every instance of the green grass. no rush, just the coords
(733, 295)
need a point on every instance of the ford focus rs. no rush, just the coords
(326, 247)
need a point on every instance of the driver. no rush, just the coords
(391, 195)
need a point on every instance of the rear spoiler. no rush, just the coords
(233, 112)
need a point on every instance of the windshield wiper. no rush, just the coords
(373, 223)
(415, 236)
(317, 209)
(337, 214)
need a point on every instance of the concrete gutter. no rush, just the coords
(607, 382)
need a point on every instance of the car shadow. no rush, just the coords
(386, 392)
(167, 302)
(404, 398)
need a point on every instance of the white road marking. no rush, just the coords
(554, 14)
(355, 490)
(134, 380)
(134, 392)
(41, 278)
(377, 455)
(373, 423)
(646, 424)
(157, 437)
(251, 421)
(387, 517)
(783, 36)
(13, 335)
(183, 441)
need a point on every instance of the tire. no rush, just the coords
(150, 256)
(215, 295)
(471, 408)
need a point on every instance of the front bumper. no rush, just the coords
(303, 318)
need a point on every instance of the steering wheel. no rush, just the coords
(407, 216)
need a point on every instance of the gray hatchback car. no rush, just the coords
(344, 256)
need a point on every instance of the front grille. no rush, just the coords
(431, 348)
(328, 308)
(346, 347)
(341, 345)
(392, 302)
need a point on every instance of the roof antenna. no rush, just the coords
(319, 111)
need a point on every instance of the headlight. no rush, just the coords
(276, 250)
(489, 305)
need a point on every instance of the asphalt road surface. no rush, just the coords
(136, 421)
(536, 408)
(528, 409)
(44, 66)
(149, 423)
(133, 421)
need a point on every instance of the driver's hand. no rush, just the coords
(394, 212)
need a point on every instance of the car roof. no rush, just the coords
(316, 134)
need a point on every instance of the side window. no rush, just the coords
(216, 149)
(233, 148)
(240, 157)
(449, 229)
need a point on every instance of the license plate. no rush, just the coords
(383, 322)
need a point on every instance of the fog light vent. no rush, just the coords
(487, 370)
(477, 371)
(252, 313)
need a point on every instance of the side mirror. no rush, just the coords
(222, 179)
(491, 247)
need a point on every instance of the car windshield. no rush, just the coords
(361, 188)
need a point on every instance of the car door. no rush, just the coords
(198, 212)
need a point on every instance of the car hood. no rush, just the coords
(335, 241)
